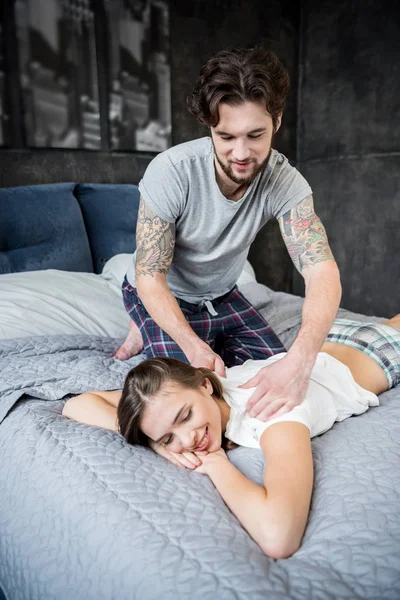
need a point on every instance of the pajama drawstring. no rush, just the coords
(209, 307)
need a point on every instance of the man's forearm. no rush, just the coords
(322, 299)
(163, 308)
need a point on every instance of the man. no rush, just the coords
(202, 204)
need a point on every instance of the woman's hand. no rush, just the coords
(198, 461)
(189, 460)
(210, 459)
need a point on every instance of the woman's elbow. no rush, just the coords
(70, 408)
(278, 551)
(279, 543)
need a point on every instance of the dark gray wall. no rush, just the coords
(349, 142)
(30, 167)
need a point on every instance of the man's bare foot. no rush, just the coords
(394, 321)
(132, 345)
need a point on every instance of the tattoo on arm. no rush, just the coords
(304, 235)
(155, 242)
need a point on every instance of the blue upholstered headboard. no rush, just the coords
(67, 226)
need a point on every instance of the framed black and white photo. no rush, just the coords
(91, 74)
(58, 73)
(139, 74)
(4, 116)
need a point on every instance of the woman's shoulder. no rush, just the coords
(250, 368)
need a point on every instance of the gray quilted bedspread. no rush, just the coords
(85, 516)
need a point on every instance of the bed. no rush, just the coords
(85, 516)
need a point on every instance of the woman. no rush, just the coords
(183, 413)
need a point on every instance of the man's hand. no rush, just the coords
(203, 356)
(279, 388)
(189, 460)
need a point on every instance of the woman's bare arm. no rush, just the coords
(275, 515)
(288, 479)
(94, 408)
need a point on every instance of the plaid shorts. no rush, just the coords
(231, 326)
(380, 342)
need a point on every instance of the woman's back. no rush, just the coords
(364, 369)
(332, 395)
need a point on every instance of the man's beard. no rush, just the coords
(227, 169)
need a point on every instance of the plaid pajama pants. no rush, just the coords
(237, 331)
(380, 342)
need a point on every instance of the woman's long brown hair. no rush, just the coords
(145, 380)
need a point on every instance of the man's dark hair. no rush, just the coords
(236, 76)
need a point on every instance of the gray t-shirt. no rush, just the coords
(213, 233)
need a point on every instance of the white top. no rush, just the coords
(332, 395)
